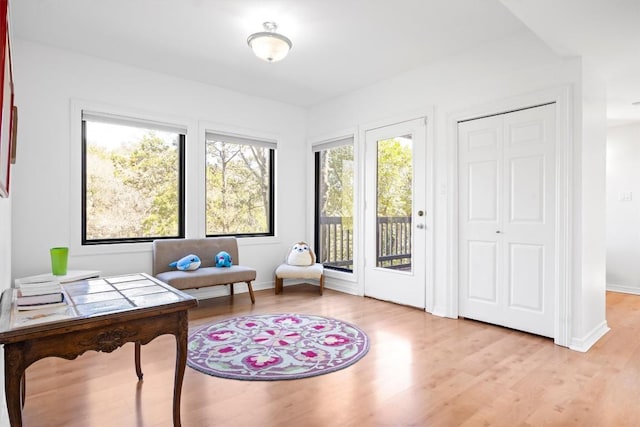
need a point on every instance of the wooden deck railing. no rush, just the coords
(336, 242)
(394, 247)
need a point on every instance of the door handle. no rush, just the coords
(420, 226)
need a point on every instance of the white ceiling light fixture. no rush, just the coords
(269, 45)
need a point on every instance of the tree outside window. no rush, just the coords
(239, 186)
(334, 204)
(132, 181)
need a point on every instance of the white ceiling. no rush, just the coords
(605, 32)
(338, 45)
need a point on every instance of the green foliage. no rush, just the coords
(132, 190)
(395, 178)
(336, 205)
(336, 181)
(237, 178)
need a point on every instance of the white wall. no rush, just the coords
(5, 282)
(498, 71)
(623, 214)
(48, 79)
(589, 211)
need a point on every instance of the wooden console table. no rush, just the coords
(101, 314)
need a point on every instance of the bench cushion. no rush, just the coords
(286, 271)
(207, 276)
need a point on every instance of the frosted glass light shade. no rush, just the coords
(269, 45)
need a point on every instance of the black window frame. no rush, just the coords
(271, 213)
(181, 196)
(316, 215)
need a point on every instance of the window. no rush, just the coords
(239, 186)
(334, 204)
(132, 180)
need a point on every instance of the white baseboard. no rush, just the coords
(343, 286)
(440, 311)
(623, 289)
(584, 344)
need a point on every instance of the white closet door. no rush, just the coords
(507, 223)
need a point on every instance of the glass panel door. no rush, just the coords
(395, 232)
(394, 200)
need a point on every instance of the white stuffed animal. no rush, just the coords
(301, 254)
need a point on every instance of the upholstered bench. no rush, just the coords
(168, 250)
(286, 271)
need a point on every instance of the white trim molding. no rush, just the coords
(624, 289)
(342, 281)
(584, 344)
(561, 97)
(427, 114)
(76, 108)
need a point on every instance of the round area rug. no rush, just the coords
(275, 347)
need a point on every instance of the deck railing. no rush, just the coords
(336, 242)
(394, 242)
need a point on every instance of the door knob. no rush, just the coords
(498, 231)
(420, 226)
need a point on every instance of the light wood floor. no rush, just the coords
(420, 370)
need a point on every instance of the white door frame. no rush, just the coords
(429, 115)
(561, 96)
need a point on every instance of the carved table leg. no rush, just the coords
(137, 356)
(181, 362)
(13, 376)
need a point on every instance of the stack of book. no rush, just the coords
(34, 295)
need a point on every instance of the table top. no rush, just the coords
(91, 300)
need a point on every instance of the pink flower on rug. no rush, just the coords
(224, 350)
(312, 356)
(220, 335)
(287, 320)
(259, 361)
(335, 339)
(273, 338)
(319, 327)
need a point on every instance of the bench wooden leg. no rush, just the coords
(278, 285)
(321, 284)
(253, 298)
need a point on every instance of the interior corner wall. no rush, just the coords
(494, 72)
(589, 211)
(623, 208)
(506, 69)
(47, 79)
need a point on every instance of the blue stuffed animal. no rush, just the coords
(223, 259)
(189, 262)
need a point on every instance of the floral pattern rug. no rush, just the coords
(275, 347)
